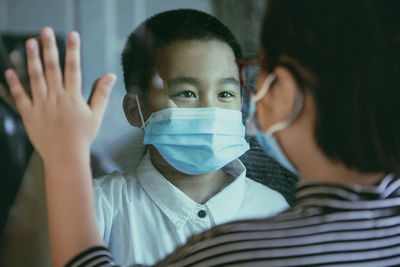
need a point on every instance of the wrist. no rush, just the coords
(68, 157)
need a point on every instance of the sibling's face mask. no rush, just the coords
(266, 139)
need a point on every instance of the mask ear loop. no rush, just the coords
(140, 114)
(252, 124)
(295, 113)
(264, 88)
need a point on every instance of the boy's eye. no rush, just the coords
(188, 94)
(225, 94)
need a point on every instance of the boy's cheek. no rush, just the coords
(158, 95)
(158, 100)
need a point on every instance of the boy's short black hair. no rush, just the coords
(162, 29)
(353, 49)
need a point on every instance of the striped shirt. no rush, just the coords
(329, 225)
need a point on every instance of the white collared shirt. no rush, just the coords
(143, 217)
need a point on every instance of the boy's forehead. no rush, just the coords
(179, 47)
(199, 57)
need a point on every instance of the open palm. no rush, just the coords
(57, 117)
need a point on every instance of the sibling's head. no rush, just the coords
(346, 56)
(183, 55)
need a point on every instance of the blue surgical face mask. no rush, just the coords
(266, 139)
(197, 140)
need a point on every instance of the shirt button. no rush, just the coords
(202, 213)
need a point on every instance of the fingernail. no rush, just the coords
(31, 44)
(110, 80)
(47, 33)
(74, 36)
(9, 74)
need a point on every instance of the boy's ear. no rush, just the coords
(131, 109)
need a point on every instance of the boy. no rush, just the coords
(190, 178)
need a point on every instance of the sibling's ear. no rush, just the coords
(131, 109)
(278, 104)
(283, 93)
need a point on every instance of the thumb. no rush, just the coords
(101, 93)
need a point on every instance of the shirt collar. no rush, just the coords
(224, 205)
(178, 207)
(173, 202)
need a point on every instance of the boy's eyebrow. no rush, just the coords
(190, 80)
(182, 79)
(230, 80)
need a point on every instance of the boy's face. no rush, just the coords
(196, 74)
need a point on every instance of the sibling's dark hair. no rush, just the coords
(162, 29)
(353, 49)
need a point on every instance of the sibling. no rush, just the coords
(183, 90)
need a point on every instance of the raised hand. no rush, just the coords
(58, 120)
(62, 126)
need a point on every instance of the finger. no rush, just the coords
(51, 61)
(73, 76)
(101, 94)
(21, 98)
(35, 71)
